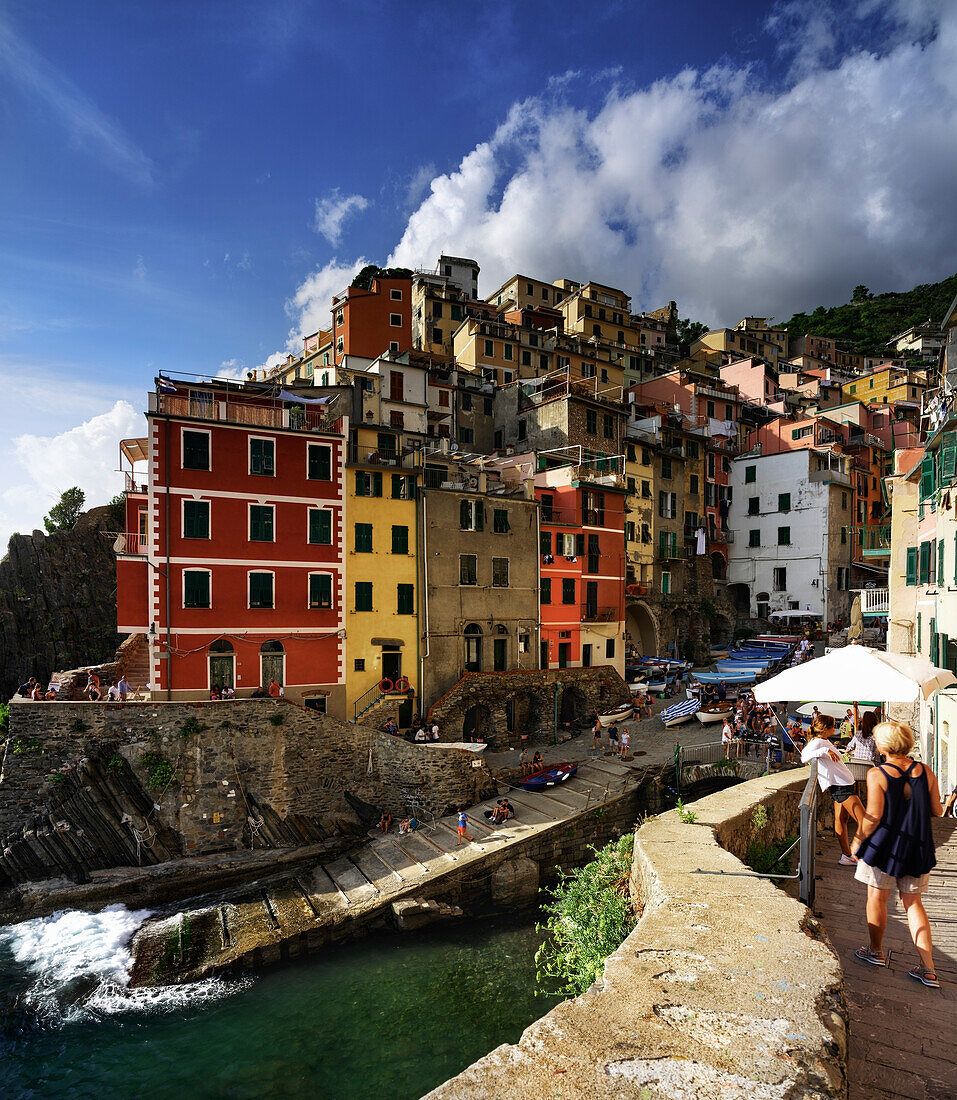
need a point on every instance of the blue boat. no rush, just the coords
(679, 712)
(548, 777)
(726, 677)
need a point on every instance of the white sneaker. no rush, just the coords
(847, 861)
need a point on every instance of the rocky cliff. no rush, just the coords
(57, 601)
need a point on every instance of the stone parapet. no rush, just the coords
(725, 987)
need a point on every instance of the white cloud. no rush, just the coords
(712, 188)
(44, 466)
(139, 269)
(232, 368)
(311, 303)
(332, 211)
(85, 123)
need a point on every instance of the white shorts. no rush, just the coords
(906, 884)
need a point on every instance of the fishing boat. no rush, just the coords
(718, 651)
(619, 714)
(740, 665)
(548, 777)
(679, 713)
(727, 677)
(714, 712)
(657, 685)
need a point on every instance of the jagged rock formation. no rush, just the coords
(57, 601)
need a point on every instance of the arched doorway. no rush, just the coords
(719, 567)
(272, 663)
(740, 597)
(572, 707)
(500, 649)
(762, 599)
(473, 648)
(222, 664)
(641, 625)
(475, 724)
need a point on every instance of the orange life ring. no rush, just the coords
(385, 686)
(402, 684)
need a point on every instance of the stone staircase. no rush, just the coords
(269, 921)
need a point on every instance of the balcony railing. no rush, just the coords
(592, 613)
(669, 553)
(287, 416)
(363, 456)
(830, 476)
(561, 517)
(133, 543)
(875, 601)
(874, 539)
(131, 485)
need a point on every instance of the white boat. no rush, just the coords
(714, 712)
(679, 713)
(619, 714)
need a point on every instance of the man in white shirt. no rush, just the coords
(837, 779)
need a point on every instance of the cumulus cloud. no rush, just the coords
(311, 303)
(85, 455)
(332, 211)
(718, 191)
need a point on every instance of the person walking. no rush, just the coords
(463, 827)
(836, 779)
(625, 741)
(596, 741)
(895, 846)
(613, 743)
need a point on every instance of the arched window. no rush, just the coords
(473, 648)
(763, 601)
(222, 664)
(272, 663)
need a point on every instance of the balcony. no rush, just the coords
(362, 456)
(669, 553)
(560, 517)
(874, 539)
(592, 613)
(875, 601)
(227, 410)
(130, 544)
(830, 476)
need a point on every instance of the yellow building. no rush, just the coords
(887, 384)
(751, 336)
(381, 596)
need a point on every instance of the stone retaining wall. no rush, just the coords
(726, 987)
(264, 758)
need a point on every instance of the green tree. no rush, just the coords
(117, 507)
(687, 332)
(64, 514)
(861, 293)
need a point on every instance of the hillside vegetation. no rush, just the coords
(868, 320)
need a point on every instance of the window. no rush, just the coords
(195, 450)
(262, 457)
(646, 490)
(545, 542)
(403, 487)
(261, 590)
(363, 538)
(400, 539)
(320, 590)
(923, 575)
(195, 519)
(196, 588)
(393, 346)
(666, 471)
(522, 430)
(754, 506)
(405, 599)
(436, 336)
(368, 484)
(843, 536)
(395, 320)
(844, 501)
(911, 565)
(750, 475)
(781, 579)
(691, 449)
(396, 296)
(467, 569)
(711, 409)
(318, 462)
(471, 515)
(667, 505)
(693, 485)
(609, 647)
(509, 353)
(784, 502)
(608, 426)
(261, 523)
(489, 349)
(363, 595)
(526, 358)
(466, 402)
(339, 318)
(359, 664)
(665, 583)
(500, 572)
(754, 538)
(500, 521)
(487, 406)
(545, 594)
(591, 421)
(568, 590)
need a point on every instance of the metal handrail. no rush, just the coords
(808, 838)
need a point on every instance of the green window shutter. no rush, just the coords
(405, 599)
(948, 455)
(579, 545)
(262, 454)
(195, 519)
(400, 540)
(195, 588)
(918, 632)
(260, 590)
(912, 564)
(545, 542)
(933, 641)
(923, 574)
(926, 477)
(360, 483)
(955, 559)
(940, 562)
(320, 463)
(377, 485)
(320, 526)
(546, 590)
(363, 538)
(479, 516)
(320, 590)
(363, 595)
(465, 515)
(261, 523)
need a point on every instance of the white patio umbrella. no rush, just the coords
(857, 672)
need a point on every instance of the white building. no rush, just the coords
(790, 514)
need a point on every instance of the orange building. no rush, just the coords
(369, 323)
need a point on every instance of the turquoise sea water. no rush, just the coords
(386, 1018)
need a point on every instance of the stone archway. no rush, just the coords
(719, 566)
(642, 625)
(476, 722)
(572, 707)
(740, 597)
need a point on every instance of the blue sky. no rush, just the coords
(183, 184)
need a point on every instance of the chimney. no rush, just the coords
(483, 482)
(529, 483)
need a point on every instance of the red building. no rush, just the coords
(582, 551)
(371, 322)
(232, 563)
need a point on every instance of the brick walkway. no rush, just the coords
(903, 1035)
